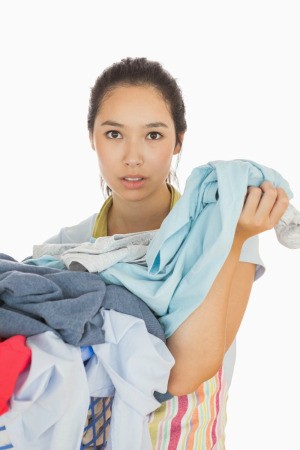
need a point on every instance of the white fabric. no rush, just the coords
(5, 442)
(134, 363)
(250, 253)
(288, 228)
(102, 253)
(55, 250)
(51, 400)
(50, 404)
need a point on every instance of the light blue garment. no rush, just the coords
(47, 261)
(193, 241)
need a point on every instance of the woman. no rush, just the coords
(136, 125)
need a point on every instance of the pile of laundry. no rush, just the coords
(163, 267)
(66, 337)
(91, 319)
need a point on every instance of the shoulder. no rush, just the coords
(78, 233)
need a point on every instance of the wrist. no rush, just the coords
(238, 242)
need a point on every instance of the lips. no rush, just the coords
(133, 181)
(133, 177)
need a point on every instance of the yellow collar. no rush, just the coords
(100, 227)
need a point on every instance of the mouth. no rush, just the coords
(135, 182)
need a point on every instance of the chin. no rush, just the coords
(131, 195)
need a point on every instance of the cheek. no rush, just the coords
(104, 162)
(106, 157)
(163, 157)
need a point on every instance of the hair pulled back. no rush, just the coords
(139, 72)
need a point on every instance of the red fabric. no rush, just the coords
(14, 357)
(176, 422)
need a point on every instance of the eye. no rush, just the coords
(154, 135)
(113, 134)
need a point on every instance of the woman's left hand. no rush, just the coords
(262, 210)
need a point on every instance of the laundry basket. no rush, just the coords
(97, 427)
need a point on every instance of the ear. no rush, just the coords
(91, 140)
(178, 145)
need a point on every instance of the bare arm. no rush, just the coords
(238, 299)
(200, 342)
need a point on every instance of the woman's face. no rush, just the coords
(134, 138)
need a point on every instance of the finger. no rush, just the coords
(280, 206)
(266, 185)
(252, 200)
(267, 202)
(272, 205)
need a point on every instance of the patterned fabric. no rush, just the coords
(192, 422)
(97, 424)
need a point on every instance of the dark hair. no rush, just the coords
(139, 72)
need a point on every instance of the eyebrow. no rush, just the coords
(148, 125)
(156, 125)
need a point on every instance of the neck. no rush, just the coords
(133, 216)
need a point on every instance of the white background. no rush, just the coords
(237, 63)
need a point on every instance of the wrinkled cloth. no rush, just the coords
(15, 357)
(130, 366)
(50, 403)
(55, 250)
(51, 399)
(288, 228)
(102, 252)
(35, 299)
(194, 240)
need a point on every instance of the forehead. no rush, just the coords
(143, 99)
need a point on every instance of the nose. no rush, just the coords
(133, 155)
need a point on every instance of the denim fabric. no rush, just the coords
(36, 299)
